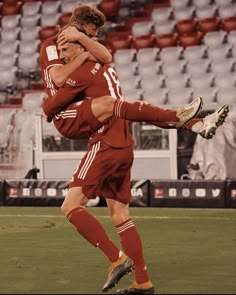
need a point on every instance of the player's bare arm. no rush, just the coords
(99, 51)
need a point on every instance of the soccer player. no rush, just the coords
(105, 169)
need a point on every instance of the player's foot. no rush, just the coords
(213, 121)
(117, 270)
(135, 288)
(187, 112)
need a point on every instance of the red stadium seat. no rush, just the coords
(146, 41)
(190, 39)
(131, 20)
(64, 18)
(209, 24)
(228, 24)
(48, 31)
(110, 8)
(118, 42)
(9, 8)
(186, 26)
(166, 40)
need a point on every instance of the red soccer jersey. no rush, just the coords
(94, 80)
(49, 58)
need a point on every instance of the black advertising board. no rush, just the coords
(2, 193)
(140, 193)
(187, 193)
(231, 193)
(34, 192)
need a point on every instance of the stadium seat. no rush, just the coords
(48, 31)
(228, 24)
(231, 38)
(191, 39)
(10, 35)
(202, 81)
(29, 33)
(129, 21)
(151, 82)
(147, 55)
(194, 53)
(132, 94)
(175, 82)
(10, 21)
(110, 8)
(126, 71)
(67, 6)
(31, 8)
(9, 48)
(223, 2)
(180, 96)
(8, 78)
(142, 28)
(50, 7)
(170, 54)
(186, 26)
(150, 69)
(198, 67)
(8, 61)
(179, 3)
(174, 68)
(30, 21)
(214, 39)
(124, 56)
(167, 27)
(29, 47)
(183, 13)
(224, 80)
(206, 11)
(146, 41)
(201, 3)
(207, 93)
(11, 8)
(28, 65)
(209, 24)
(156, 96)
(226, 95)
(119, 42)
(219, 52)
(166, 40)
(223, 66)
(161, 15)
(64, 18)
(49, 19)
(32, 101)
(226, 11)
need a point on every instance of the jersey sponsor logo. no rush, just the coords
(52, 52)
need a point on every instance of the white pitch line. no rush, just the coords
(134, 216)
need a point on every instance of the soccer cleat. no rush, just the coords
(213, 121)
(188, 112)
(135, 288)
(117, 270)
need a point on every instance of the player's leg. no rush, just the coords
(88, 226)
(104, 107)
(132, 245)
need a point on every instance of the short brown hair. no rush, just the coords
(88, 14)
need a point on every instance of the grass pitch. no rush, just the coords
(187, 251)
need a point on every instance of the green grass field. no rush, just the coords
(187, 251)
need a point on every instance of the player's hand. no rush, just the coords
(70, 34)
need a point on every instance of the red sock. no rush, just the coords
(141, 111)
(93, 231)
(192, 124)
(132, 246)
